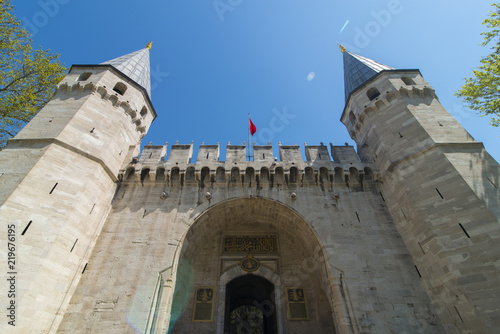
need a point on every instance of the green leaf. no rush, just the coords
(27, 76)
(481, 92)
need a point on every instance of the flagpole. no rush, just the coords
(249, 137)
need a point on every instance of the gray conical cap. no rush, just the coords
(135, 65)
(358, 70)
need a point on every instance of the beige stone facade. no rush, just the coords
(400, 237)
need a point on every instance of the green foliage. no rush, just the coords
(27, 76)
(481, 92)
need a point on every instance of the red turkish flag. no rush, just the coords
(253, 128)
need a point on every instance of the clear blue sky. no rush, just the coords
(213, 62)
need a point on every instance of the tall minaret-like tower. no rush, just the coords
(440, 185)
(57, 179)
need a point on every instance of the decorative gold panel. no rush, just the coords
(254, 244)
(203, 304)
(296, 304)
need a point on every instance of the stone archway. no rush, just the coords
(204, 267)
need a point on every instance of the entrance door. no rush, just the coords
(249, 307)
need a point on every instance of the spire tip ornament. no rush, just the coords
(342, 48)
(149, 45)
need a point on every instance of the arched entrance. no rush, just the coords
(249, 307)
(214, 281)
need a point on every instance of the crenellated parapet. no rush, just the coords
(176, 168)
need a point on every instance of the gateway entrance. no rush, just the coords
(249, 307)
(248, 266)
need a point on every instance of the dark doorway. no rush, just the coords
(250, 306)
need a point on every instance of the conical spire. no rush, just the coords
(135, 65)
(358, 70)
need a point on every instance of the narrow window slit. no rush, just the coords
(418, 272)
(357, 216)
(383, 199)
(458, 313)
(92, 131)
(263, 156)
(26, 228)
(54, 187)
(74, 244)
(124, 193)
(400, 135)
(463, 229)
(439, 193)
(144, 214)
(84, 268)
(403, 214)
(93, 206)
(208, 155)
(421, 248)
(492, 183)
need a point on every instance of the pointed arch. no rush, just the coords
(194, 254)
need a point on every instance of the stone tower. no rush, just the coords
(58, 177)
(440, 186)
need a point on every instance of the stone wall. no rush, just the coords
(164, 234)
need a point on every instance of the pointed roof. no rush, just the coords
(358, 70)
(135, 65)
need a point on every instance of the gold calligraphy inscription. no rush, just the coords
(203, 305)
(297, 305)
(255, 244)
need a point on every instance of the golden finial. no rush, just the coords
(149, 45)
(342, 48)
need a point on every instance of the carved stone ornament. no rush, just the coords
(249, 264)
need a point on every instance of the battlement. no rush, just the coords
(176, 168)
